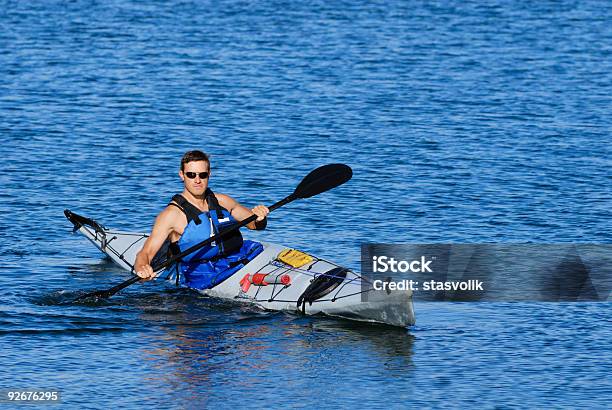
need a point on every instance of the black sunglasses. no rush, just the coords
(192, 175)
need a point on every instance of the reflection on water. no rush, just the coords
(241, 346)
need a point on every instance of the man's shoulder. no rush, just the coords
(222, 197)
(225, 201)
(170, 213)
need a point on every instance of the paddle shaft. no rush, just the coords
(110, 292)
(319, 180)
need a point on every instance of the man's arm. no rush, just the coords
(164, 225)
(241, 213)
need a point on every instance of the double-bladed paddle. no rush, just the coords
(317, 181)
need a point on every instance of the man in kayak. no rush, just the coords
(192, 217)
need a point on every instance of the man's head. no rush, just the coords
(195, 171)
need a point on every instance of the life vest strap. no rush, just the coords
(191, 211)
(213, 203)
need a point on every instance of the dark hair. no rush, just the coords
(195, 155)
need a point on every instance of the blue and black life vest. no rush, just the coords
(212, 264)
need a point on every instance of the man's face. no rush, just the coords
(197, 185)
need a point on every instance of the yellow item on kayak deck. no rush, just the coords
(295, 258)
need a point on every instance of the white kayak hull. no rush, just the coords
(351, 299)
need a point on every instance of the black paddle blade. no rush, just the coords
(105, 294)
(101, 294)
(323, 179)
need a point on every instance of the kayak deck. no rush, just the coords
(347, 295)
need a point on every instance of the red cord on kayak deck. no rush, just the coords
(263, 279)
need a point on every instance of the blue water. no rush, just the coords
(463, 122)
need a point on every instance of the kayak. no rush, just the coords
(277, 278)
